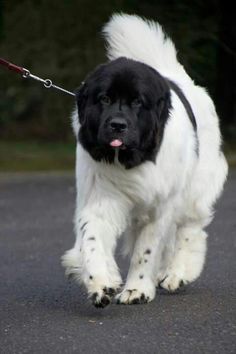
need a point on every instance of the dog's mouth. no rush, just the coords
(117, 143)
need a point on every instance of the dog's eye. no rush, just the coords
(105, 100)
(136, 102)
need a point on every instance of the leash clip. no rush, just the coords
(26, 74)
(48, 83)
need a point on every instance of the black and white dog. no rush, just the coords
(149, 162)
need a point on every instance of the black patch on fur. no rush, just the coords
(83, 226)
(162, 281)
(141, 276)
(124, 81)
(105, 301)
(91, 277)
(148, 251)
(109, 291)
(92, 238)
(100, 302)
(135, 301)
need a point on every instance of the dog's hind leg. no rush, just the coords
(188, 259)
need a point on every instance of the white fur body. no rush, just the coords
(164, 207)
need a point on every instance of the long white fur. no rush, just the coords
(164, 207)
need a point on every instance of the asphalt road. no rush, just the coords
(41, 312)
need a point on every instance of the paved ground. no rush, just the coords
(40, 312)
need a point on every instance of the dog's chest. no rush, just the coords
(137, 185)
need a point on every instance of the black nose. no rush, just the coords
(118, 124)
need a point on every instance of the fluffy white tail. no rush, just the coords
(132, 37)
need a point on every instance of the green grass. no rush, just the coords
(35, 156)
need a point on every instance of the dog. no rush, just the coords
(149, 168)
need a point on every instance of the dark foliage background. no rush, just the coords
(61, 40)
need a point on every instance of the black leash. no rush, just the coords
(173, 86)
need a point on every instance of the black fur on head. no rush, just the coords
(123, 105)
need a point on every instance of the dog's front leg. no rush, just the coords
(92, 259)
(140, 285)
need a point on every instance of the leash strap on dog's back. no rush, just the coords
(185, 102)
(26, 74)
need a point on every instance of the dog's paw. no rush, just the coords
(103, 298)
(135, 296)
(172, 282)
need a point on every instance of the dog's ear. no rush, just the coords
(163, 99)
(81, 95)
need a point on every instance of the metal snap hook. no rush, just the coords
(26, 73)
(47, 83)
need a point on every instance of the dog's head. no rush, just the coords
(123, 105)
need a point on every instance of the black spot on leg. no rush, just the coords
(140, 261)
(100, 302)
(83, 226)
(109, 291)
(145, 260)
(148, 251)
(135, 301)
(91, 277)
(105, 300)
(92, 238)
(162, 281)
(141, 276)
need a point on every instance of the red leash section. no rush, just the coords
(26, 75)
(12, 67)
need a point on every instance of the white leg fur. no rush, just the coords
(140, 285)
(92, 262)
(99, 221)
(188, 259)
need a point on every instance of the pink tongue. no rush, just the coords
(116, 143)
